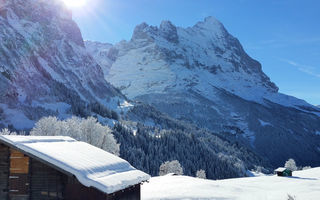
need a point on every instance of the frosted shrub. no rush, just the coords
(291, 164)
(47, 126)
(7, 132)
(170, 167)
(201, 174)
(306, 167)
(87, 130)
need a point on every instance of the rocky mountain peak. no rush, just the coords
(140, 31)
(169, 31)
(211, 22)
(212, 25)
(194, 57)
(166, 31)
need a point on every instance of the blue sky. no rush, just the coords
(284, 35)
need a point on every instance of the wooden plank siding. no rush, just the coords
(4, 171)
(46, 183)
(76, 191)
(19, 163)
(18, 176)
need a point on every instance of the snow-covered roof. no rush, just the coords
(280, 169)
(92, 166)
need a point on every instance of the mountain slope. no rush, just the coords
(202, 75)
(45, 69)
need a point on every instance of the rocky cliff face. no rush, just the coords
(45, 69)
(202, 75)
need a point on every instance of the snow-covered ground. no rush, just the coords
(304, 185)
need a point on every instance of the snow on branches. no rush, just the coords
(87, 130)
(170, 167)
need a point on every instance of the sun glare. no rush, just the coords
(75, 3)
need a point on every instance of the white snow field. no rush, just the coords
(304, 185)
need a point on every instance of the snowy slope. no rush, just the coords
(44, 66)
(303, 185)
(102, 53)
(92, 166)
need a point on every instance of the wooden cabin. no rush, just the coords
(281, 171)
(61, 168)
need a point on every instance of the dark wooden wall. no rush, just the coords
(46, 183)
(76, 191)
(4, 171)
(131, 193)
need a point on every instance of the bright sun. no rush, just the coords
(75, 3)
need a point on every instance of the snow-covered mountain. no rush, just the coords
(45, 68)
(202, 74)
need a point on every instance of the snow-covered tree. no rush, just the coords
(47, 126)
(201, 174)
(306, 167)
(170, 167)
(87, 130)
(7, 132)
(291, 164)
